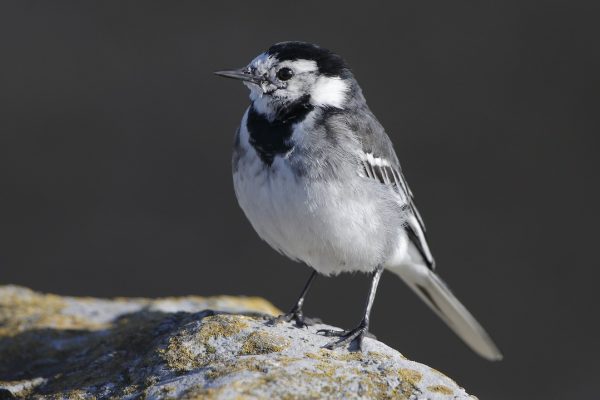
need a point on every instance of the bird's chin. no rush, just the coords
(261, 90)
(270, 97)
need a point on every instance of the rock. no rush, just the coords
(191, 348)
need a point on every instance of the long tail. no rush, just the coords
(433, 291)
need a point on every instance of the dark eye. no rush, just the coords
(284, 74)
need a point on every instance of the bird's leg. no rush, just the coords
(362, 330)
(296, 313)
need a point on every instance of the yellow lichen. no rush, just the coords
(260, 342)
(76, 394)
(221, 325)
(326, 377)
(240, 390)
(440, 389)
(178, 355)
(410, 375)
(283, 360)
(220, 369)
(22, 309)
(358, 356)
(131, 389)
(371, 385)
(317, 356)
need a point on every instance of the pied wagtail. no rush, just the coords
(318, 178)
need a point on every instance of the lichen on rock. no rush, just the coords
(191, 348)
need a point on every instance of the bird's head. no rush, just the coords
(292, 72)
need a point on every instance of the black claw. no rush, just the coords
(354, 336)
(332, 333)
(296, 316)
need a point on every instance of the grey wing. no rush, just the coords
(379, 161)
(377, 168)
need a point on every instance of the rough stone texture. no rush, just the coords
(192, 348)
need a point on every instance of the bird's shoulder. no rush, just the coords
(359, 127)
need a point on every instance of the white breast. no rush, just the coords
(326, 225)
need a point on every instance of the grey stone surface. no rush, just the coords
(192, 348)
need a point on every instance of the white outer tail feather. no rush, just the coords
(434, 292)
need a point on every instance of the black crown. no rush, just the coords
(329, 63)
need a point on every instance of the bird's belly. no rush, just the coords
(316, 222)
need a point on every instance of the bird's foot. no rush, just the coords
(347, 338)
(298, 317)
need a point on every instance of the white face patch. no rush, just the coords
(329, 91)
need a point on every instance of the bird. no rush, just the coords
(317, 176)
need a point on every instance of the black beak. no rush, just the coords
(240, 74)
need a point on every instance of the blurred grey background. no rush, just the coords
(115, 143)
